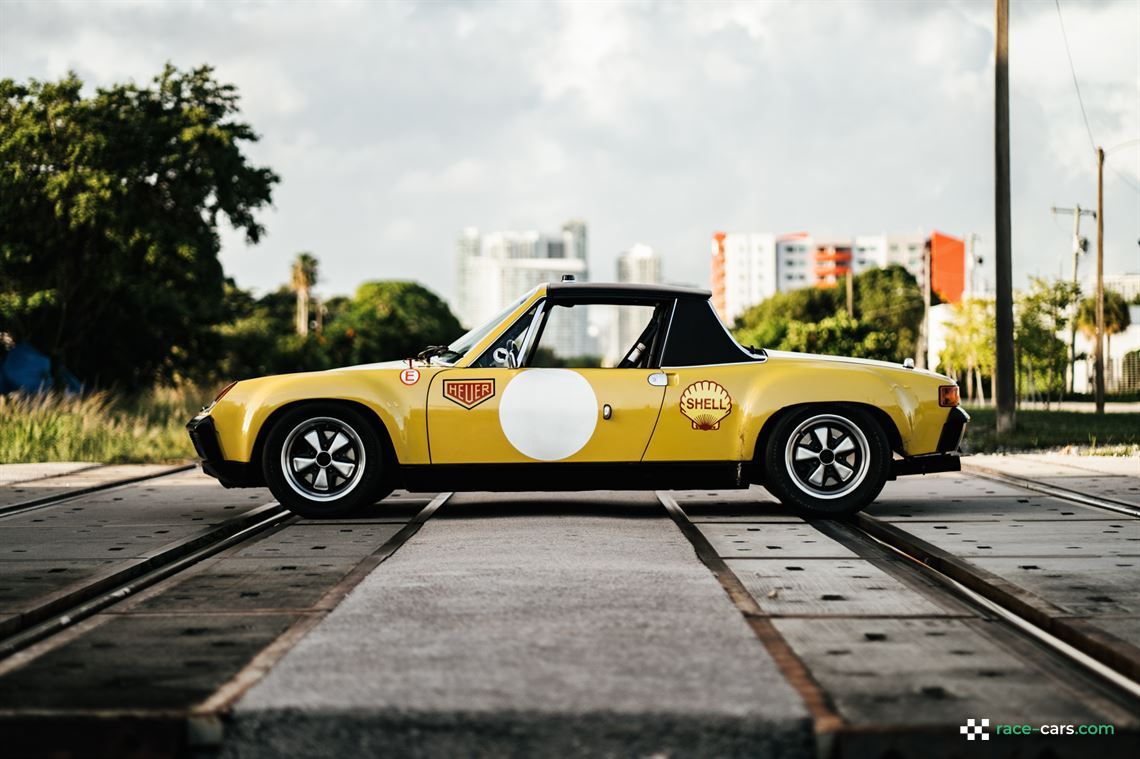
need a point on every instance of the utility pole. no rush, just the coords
(924, 328)
(1003, 266)
(850, 293)
(1078, 248)
(1099, 363)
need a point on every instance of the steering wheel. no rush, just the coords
(507, 355)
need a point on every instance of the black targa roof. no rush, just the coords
(695, 334)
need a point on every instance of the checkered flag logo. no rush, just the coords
(975, 729)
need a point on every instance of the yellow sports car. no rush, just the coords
(521, 403)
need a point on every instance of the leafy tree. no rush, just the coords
(389, 320)
(766, 323)
(840, 335)
(888, 311)
(890, 299)
(109, 212)
(1041, 315)
(1116, 317)
(969, 348)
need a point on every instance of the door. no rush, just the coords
(556, 408)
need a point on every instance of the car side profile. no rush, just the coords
(516, 405)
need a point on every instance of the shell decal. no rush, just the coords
(705, 404)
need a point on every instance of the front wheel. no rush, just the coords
(324, 461)
(827, 462)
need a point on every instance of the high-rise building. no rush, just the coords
(749, 267)
(795, 259)
(744, 271)
(496, 268)
(619, 328)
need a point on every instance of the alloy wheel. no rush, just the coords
(322, 458)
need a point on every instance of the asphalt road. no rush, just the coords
(617, 624)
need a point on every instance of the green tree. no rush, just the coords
(890, 300)
(389, 320)
(109, 213)
(969, 351)
(766, 323)
(1116, 317)
(1041, 315)
(840, 335)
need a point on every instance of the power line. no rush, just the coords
(1076, 84)
(1125, 178)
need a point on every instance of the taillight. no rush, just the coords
(224, 390)
(947, 395)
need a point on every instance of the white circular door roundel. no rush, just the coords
(548, 414)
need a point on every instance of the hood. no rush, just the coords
(398, 364)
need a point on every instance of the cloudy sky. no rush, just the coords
(395, 125)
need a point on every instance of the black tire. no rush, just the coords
(354, 475)
(817, 486)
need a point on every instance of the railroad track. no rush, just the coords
(32, 504)
(1109, 659)
(1096, 502)
(60, 611)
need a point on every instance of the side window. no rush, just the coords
(581, 336)
(511, 341)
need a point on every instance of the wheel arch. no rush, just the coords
(894, 437)
(369, 414)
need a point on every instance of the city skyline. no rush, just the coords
(655, 122)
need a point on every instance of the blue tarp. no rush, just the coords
(27, 370)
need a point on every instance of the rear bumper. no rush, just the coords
(232, 474)
(947, 458)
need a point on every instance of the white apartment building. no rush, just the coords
(496, 268)
(1128, 285)
(744, 271)
(880, 251)
(795, 261)
(617, 328)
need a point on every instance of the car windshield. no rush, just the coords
(458, 349)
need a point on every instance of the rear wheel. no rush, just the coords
(324, 460)
(827, 461)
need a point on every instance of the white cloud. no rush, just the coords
(395, 125)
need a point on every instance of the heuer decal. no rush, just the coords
(468, 393)
(705, 404)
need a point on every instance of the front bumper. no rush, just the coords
(947, 458)
(232, 474)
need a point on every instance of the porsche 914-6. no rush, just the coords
(529, 401)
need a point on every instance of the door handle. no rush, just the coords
(659, 379)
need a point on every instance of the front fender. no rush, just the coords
(240, 416)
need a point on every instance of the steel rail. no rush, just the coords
(66, 609)
(1096, 502)
(1110, 658)
(32, 504)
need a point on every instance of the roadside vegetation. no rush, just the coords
(149, 428)
(1086, 433)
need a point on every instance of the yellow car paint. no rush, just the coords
(647, 422)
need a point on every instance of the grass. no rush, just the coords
(1088, 433)
(150, 428)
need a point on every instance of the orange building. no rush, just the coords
(832, 261)
(947, 267)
